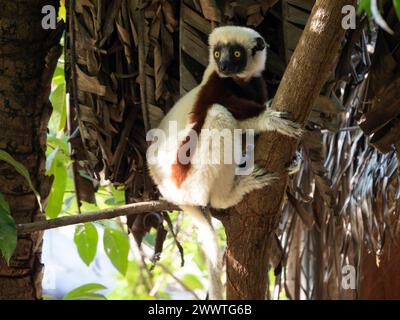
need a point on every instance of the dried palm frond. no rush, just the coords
(348, 187)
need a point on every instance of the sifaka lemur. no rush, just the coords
(232, 95)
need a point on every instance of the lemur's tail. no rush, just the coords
(209, 244)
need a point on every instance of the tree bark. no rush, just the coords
(28, 56)
(250, 226)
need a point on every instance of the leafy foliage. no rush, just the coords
(86, 238)
(396, 4)
(371, 7)
(59, 171)
(116, 245)
(60, 200)
(365, 5)
(21, 169)
(58, 158)
(8, 230)
(86, 292)
(192, 281)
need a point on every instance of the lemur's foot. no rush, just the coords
(262, 177)
(294, 166)
(282, 122)
(258, 179)
(284, 115)
(244, 184)
(279, 121)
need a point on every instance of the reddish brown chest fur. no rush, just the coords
(242, 100)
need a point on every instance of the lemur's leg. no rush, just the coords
(228, 189)
(271, 120)
(217, 136)
(222, 198)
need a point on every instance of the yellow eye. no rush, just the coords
(237, 54)
(216, 54)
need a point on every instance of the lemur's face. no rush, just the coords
(231, 59)
(237, 52)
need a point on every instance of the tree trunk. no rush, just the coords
(28, 56)
(250, 226)
(380, 281)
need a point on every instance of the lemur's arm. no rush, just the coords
(271, 120)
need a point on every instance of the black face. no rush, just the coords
(231, 59)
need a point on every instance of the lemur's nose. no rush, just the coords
(223, 66)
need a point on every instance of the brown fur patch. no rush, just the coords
(243, 100)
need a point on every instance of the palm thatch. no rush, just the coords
(346, 193)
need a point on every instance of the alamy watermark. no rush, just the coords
(215, 146)
(349, 277)
(49, 21)
(349, 19)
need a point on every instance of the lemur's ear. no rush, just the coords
(260, 44)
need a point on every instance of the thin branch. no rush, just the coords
(174, 236)
(147, 281)
(133, 208)
(179, 281)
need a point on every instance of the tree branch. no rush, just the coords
(250, 226)
(129, 209)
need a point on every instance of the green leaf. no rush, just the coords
(86, 238)
(61, 142)
(58, 100)
(116, 245)
(50, 160)
(62, 12)
(59, 74)
(396, 4)
(20, 168)
(8, 230)
(56, 196)
(88, 207)
(114, 197)
(86, 292)
(68, 202)
(192, 281)
(364, 5)
(4, 204)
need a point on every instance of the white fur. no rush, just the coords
(208, 239)
(214, 184)
(271, 120)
